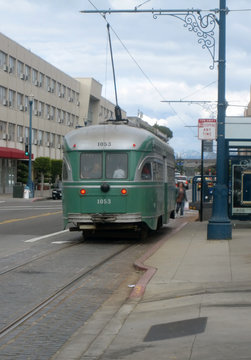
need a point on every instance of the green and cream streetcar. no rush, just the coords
(117, 176)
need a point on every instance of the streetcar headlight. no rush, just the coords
(123, 191)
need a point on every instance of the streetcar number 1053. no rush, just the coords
(104, 201)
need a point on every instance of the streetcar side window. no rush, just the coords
(158, 173)
(146, 173)
(116, 166)
(91, 165)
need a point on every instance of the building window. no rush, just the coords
(41, 109)
(26, 103)
(12, 98)
(52, 114)
(68, 119)
(72, 120)
(77, 121)
(47, 139)
(48, 83)
(3, 126)
(3, 59)
(3, 92)
(19, 132)
(58, 141)
(69, 94)
(27, 72)
(52, 140)
(20, 101)
(63, 116)
(12, 65)
(73, 95)
(53, 86)
(63, 91)
(11, 131)
(34, 136)
(41, 80)
(20, 69)
(59, 89)
(34, 77)
(26, 135)
(47, 111)
(58, 115)
(40, 137)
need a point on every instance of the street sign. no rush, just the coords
(208, 145)
(207, 129)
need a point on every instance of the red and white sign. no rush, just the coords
(207, 129)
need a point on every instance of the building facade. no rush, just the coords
(60, 103)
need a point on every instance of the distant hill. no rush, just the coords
(193, 154)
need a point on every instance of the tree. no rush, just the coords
(165, 130)
(42, 165)
(56, 170)
(22, 172)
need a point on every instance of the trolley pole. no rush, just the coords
(219, 226)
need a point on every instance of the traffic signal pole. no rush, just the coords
(30, 182)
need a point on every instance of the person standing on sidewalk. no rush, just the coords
(181, 198)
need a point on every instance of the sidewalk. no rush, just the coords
(38, 195)
(197, 306)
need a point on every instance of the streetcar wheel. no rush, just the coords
(159, 225)
(144, 233)
(86, 234)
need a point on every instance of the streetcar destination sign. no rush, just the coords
(207, 129)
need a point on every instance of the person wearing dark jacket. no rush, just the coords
(181, 198)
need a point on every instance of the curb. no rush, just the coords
(140, 287)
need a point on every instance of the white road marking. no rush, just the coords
(60, 242)
(45, 236)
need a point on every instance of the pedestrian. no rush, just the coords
(181, 198)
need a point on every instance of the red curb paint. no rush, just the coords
(140, 287)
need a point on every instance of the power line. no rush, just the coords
(140, 68)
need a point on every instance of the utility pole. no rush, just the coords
(30, 182)
(219, 226)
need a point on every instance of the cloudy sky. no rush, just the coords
(155, 59)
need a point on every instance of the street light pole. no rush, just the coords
(219, 226)
(30, 182)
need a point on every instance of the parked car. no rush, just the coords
(183, 179)
(57, 191)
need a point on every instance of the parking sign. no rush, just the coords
(207, 129)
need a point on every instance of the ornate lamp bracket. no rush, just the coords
(202, 25)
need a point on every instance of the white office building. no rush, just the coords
(60, 103)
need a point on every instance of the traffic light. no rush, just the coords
(26, 150)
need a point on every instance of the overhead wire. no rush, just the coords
(142, 71)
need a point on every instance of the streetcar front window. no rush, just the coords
(116, 166)
(66, 170)
(91, 165)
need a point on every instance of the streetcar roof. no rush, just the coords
(112, 137)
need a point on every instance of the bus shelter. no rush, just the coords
(238, 139)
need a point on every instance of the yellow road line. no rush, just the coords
(29, 217)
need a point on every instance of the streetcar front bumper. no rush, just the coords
(95, 221)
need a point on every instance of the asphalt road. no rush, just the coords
(38, 258)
